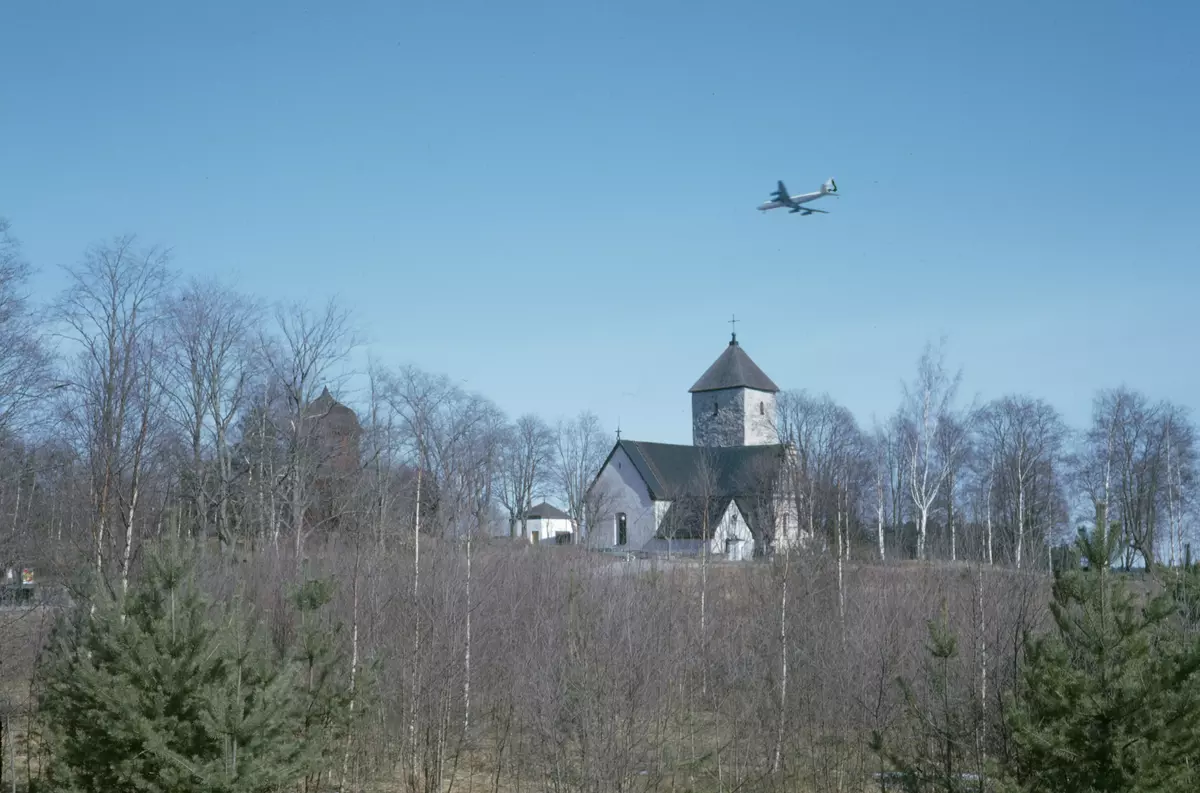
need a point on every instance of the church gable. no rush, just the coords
(692, 518)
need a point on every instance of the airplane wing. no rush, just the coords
(808, 211)
(781, 194)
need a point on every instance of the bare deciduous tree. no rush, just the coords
(209, 333)
(580, 449)
(110, 313)
(24, 360)
(1125, 459)
(301, 360)
(525, 460)
(1023, 441)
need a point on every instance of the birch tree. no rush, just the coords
(484, 451)
(1181, 454)
(953, 442)
(1124, 463)
(927, 407)
(881, 483)
(414, 396)
(1023, 440)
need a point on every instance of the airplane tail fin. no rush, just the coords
(829, 186)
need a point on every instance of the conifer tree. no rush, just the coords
(932, 753)
(162, 692)
(1109, 700)
(321, 659)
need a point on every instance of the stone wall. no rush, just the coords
(718, 418)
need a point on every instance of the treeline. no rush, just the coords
(1002, 482)
(134, 405)
(137, 406)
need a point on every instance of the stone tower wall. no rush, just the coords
(743, 417)
(727, 426)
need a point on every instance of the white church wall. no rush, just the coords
(787, 524)
(788, 531)
(623, 490)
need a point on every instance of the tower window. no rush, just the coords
(714, 407)
(762, 411)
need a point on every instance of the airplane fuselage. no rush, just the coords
(803, 198)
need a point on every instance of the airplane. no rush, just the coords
(780, 198)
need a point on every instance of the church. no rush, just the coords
(729, 490)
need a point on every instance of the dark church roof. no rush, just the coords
(673, 471)
(734, 369)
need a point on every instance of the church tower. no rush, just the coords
(733, 403)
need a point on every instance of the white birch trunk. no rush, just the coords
(412, 716)
(467, 654)
(841, 583)
(704, 606)
(353, 668)
(981, 739)
(991, 487)
(950, 519)
(1170, 501)
(843, 553)
(1020, 520)
(922, 522)
(777, 761)
(130, 516)
(17, 508)
(879, 506)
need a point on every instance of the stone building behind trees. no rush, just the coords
(333, 437)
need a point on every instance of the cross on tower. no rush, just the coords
(618, 429)
(733, 320)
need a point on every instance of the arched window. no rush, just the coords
(622, 529)
(762, 410)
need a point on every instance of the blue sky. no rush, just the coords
(555, 201)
